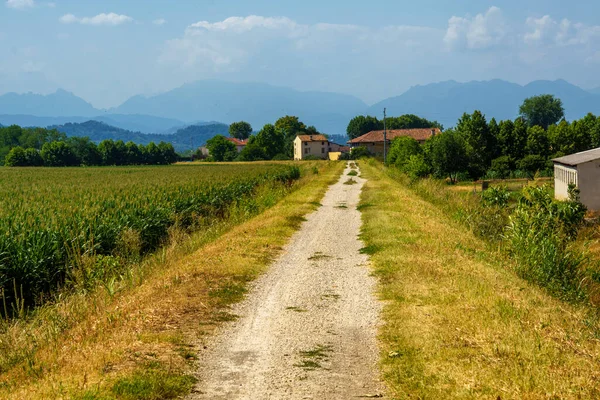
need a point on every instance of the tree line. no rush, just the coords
(519, 148)
(33, 147)
(272, 142)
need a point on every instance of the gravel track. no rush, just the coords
(307, 329)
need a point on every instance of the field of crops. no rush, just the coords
(58, 226)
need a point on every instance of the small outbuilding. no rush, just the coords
(582, 170)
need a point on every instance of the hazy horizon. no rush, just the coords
(107, 52)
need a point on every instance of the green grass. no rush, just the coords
(458, 322)
(152, 385)
(352, 173)
(350, 181)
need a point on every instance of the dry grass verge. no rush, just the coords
(139, 341)
(458, 324)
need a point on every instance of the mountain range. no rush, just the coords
(226, 102)
(447, 101)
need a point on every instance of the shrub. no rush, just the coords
(496, 196)
(503, 166)
(359, 152)
(539, 233)
(531, 164)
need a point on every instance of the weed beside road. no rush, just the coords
(457, 322)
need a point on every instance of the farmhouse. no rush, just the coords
(373, 140)
(239, 144)
(582, 170)
(316, 145)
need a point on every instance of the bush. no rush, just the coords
(280, 157)
(531, 164)
(416, 167)
(16, 157)
(496, 196)
(539, 233)
(502, 166)
(359, 152)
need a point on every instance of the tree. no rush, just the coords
(85, 150)
(360, 125)
(537, 142)
(478, 142)
(108, 152)
(447, 155)
(58, 154)
(544, 110)
(252, 151)
(410, 121)
(33, 158)
(240, 130)
(133, 154)
(168, 154)
(16, 157)
(221, 149)
(290, 127)
(271, 140)
(402, 149)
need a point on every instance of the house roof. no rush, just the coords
(313, 138)
(237, 142)
(377, 136)
(579, 158)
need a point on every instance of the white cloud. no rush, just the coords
(111, 19)
(159, 22)
(547, 31)
(475, 33)
(245, 24)
(231, 43)
(20, 4)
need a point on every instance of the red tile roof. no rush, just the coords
(377, 136)
(237, 142)
(313, 138)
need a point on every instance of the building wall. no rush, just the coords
(563, 176)
(589, 184)
(303, 149)
(335, 155)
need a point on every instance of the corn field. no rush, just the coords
(58, 226)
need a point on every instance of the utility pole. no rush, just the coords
(384, 139)
(192, 146)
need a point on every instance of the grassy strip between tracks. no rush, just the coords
(458, 322)
(140, 341)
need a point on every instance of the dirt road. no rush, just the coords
(307, 329)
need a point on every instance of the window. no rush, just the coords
(323, 143)
(323, 150)
(306, 151)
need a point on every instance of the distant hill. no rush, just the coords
(136, 123)
(60, 103)
(339, 139)
(140, 123)
(182, 140)
(595, 91)
(256, 103)
(447, 101)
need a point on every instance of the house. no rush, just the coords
(316, 145)
(373, 140)
(239, 144)
(582, 170)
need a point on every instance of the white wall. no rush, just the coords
(589, 184)
(563, 176)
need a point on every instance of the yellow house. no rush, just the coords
(311, 145)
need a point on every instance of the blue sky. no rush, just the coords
(106, 51)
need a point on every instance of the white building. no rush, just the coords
(583, 170)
